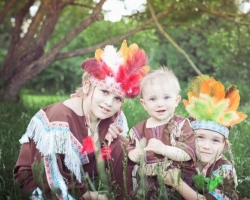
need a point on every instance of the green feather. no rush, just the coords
(194, 85)
(206, 184)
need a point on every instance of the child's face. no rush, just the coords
(209, 145)
(104, 104)
(160, 100)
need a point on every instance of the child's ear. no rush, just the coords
(86, 87)
(178, 99)
(225, 148)
(142, 103)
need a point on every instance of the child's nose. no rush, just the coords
(206, 145)
(160, 102)
(108, 100)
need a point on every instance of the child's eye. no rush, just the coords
(119, 99)
(216, 140)
(200, 137)
(152, 99)
(166, 97)
(105, 91)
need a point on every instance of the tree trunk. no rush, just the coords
(26, 57)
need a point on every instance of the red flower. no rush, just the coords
(106, 152)
(88, 145)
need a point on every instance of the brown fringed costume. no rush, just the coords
(177, 132)
(50, 156)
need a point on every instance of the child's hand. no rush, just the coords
(156, 146)
(94, 196)
(136, 154)
(172, 177)
(112, 133)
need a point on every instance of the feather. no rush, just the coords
(106, 152)
(205, 87)
(112, 59)
(88, 145)
(233, 95)
(125, 67)
(240, 118)
(98, 54)
(218, 91)
(97, 69)
(208, 100)
(194, 86)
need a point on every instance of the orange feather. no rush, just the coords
(240, 119)
(98, 54)
(234, 100)
(218, 91)
(205, 88)
(185, 102)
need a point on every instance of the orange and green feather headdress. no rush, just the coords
(212, 106)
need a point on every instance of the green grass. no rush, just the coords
(14, 119)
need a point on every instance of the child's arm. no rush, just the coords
(135, 155)
(173, 179)
(173, 153)
(135, 147)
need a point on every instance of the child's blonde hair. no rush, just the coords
(85, 77)
(163, 75)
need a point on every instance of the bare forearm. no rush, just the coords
(187, 192)
(177, 154)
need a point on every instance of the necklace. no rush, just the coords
(91, 133)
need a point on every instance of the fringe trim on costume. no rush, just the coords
(54, 137)
(55, 179)
(218, 195)
(153, 169)
(228, 172)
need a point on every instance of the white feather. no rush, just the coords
(111, 81)
(112, 58)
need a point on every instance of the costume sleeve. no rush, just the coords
(184, 137)
(132, 140)
(122, 122)
(225, 190)
(23, 168)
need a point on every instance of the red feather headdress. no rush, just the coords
(119, 72)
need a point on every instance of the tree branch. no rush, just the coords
(36, 21)
(177, 47)
(6, 9)
(78, 29)
(223, 14)
(10, 60)
(112, 41)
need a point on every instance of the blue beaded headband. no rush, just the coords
(209, 125)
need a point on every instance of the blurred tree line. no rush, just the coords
(43, 53)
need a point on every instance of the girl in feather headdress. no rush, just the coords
(64, 146)
(214, 111)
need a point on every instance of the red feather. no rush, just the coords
(97, 69)
(88, 145)
(137, 61)
(106, 152)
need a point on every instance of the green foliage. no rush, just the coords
(14, 119)
(239, 137)
(59, 78)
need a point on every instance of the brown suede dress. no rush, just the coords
(50, 156)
